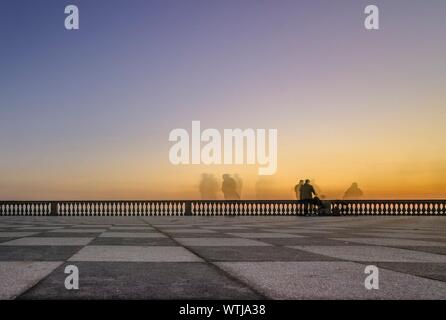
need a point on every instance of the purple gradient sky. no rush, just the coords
(87, 113)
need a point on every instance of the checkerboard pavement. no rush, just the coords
(223, 257)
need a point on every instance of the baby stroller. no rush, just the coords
(323, 207)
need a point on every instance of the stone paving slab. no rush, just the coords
(135, 254)
(132, 241)
(17, 277)
(280, 257)
(419, 235)
(37, 253)
(249, 253)
(149, 280)
(40, 241)
(77, 230)
(393, 242)
(132, 235)
(17, 234)
(118, 228)
(435, 271)
(259, 235)
(191, 230)
(436, 250)
(231, 242)
(329, 280)
(373, 253)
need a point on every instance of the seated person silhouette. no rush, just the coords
(324, 207)
(353, 193)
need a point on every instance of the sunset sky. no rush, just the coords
(86, 114)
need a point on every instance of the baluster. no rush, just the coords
(399, 208)
(155, 208)
(212, 208)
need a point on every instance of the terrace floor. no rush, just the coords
(223, 257)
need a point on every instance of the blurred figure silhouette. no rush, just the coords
(353, 193)
(306, 196)
(229, 188)
(208, 187)
(297, 189)
(238, 185)
(265, 187)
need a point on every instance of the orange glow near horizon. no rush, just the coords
(87, 115)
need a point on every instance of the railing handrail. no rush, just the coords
(221, 200)
(221, 207)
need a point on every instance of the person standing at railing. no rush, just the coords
(229, 188)
(297, 189)
(306, 196)
(208, 187)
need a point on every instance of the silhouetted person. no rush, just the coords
(306, 196)
(307, 191)
(239, 185)
(323, 207)
(297, 189)
(229, 188)
(208, 187)
(353, 192)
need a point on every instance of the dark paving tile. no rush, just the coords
(128, 229)
(126, 280)
(34, 229)
(267, 253)
(226, 229)
(343, 235)
(6, 239)
(139, 224)
(309, 234)
(436, 271)
(305, 241)
(133, 242)
(68, 234)
(37, 253)
(437, 250)
(199, 235)
(249, 230)
(433, 238)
